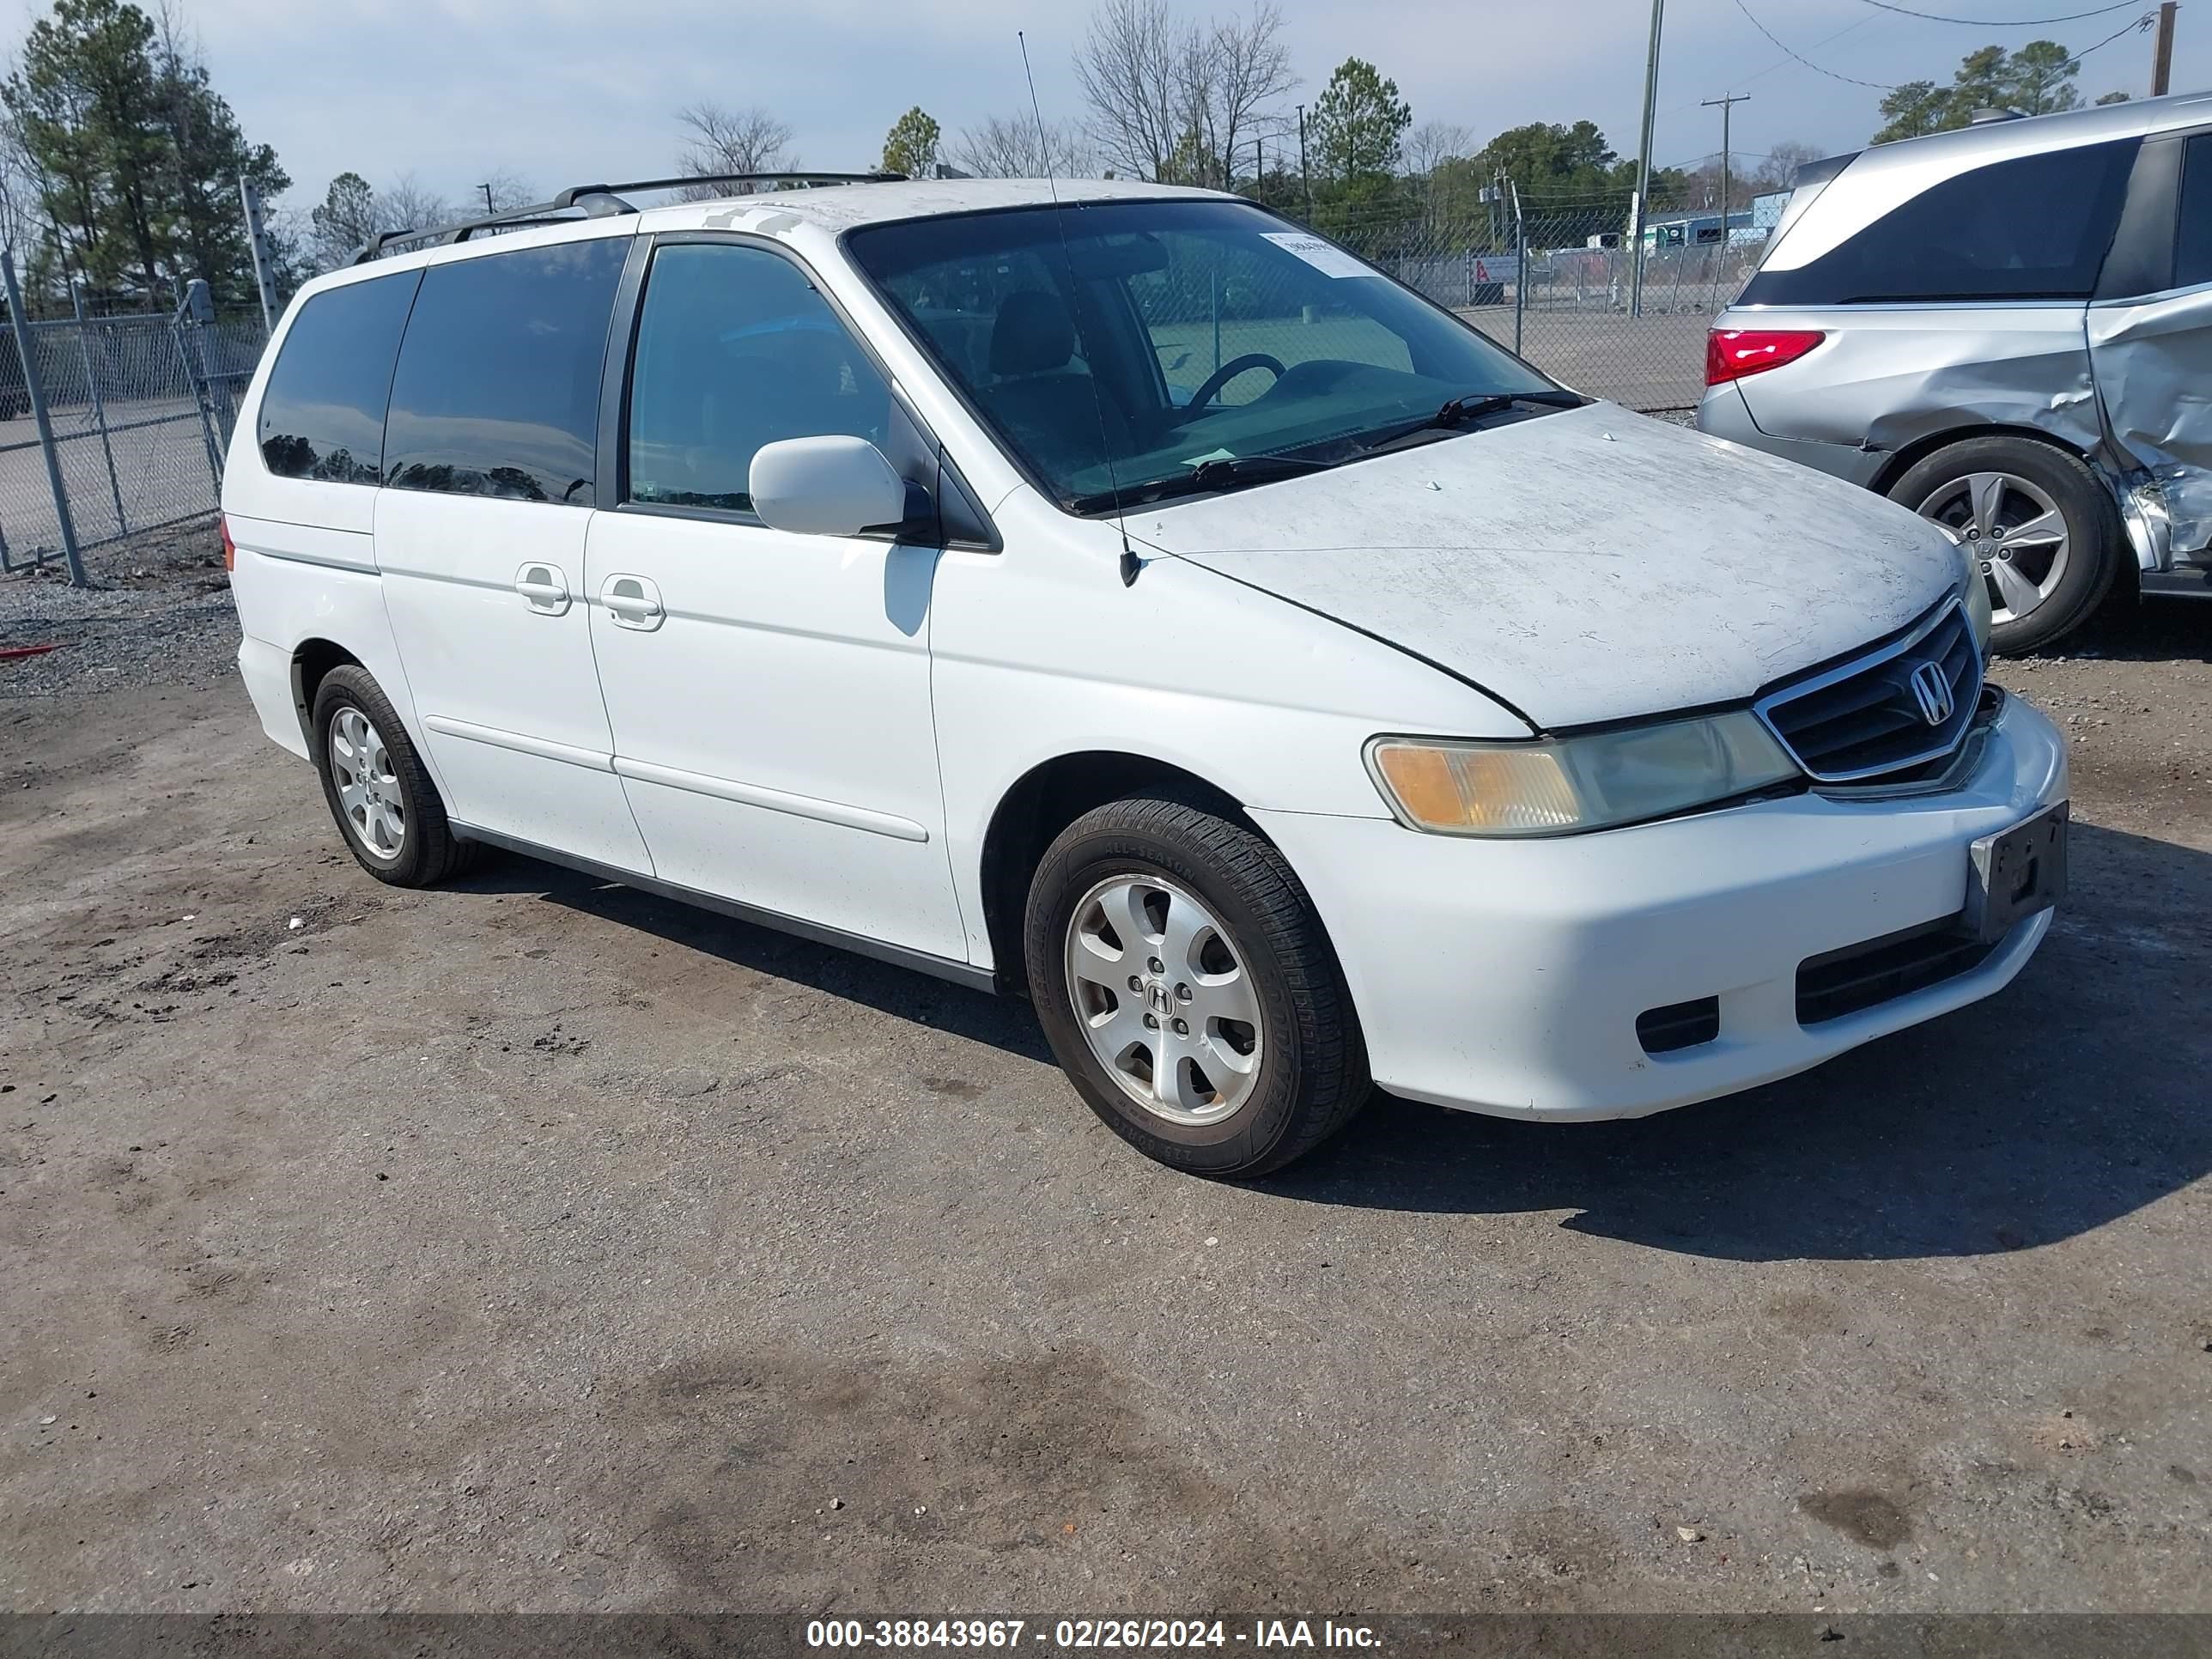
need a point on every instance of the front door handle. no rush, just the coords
(632, 602)
(544, 587)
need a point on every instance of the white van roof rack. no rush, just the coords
(603, 201)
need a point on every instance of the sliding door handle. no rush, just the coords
(632, 602)
(544, 587)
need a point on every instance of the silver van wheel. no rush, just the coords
(2013, 528)
(1162, 997)
(367, 787)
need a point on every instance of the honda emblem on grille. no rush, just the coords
(1932, 692)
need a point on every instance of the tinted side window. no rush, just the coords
(498, 392)
(322, 415)
(736, 349)
(2034, 227)
(2192, 247)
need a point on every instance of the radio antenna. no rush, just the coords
(1131, 564)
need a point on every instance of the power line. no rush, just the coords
(2134, 25)
(1784, 62)
(2003, 22)
(1852, 80)
(1756, 158)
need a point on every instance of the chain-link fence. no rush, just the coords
(1559, 284)
(139, 411)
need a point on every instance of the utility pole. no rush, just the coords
(486, 189)
(1304, 173)
(2161, 56)
(1726, 108)
(1644, 163)
(1720, 254)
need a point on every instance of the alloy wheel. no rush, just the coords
(1163, 999)
(368, 789)
(2014, 531)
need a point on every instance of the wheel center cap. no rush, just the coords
(1159, 1000)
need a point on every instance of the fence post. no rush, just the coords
(196, 294)
(1520, 269)
(98, 405)
(257, 237)
(37, 394)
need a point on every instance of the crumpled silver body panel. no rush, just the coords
(2153, 362)
(2127, 383)
(2123, 382)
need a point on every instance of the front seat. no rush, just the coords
(1051, 409)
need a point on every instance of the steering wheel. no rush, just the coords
(1228, 372)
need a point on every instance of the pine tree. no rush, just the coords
(135, 155)
(1359, 122)
(910, 147)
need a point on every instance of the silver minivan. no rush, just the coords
(2008, 329)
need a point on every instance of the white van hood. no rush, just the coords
(1591, 565)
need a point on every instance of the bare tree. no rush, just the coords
(1001, 147)
(1130, 66)
(1779, 170)
(291, 233)
(1176, 100)
(719, 140)
(23, 195)
(408, 203)
(1433, 144)
(1236, 72)
(507, 189)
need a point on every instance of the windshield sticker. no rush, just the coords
(1327, 260)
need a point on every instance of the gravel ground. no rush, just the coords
(160, 615)
(536, 1244)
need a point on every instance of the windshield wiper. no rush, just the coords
(1457, 411)
(1223, 472)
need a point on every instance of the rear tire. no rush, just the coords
(1984, 490)
(384, 804)
(1238, 1051)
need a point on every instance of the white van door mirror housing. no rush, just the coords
(832, 485)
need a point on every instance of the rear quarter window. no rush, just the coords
(2031, 227)
(322, 415)
(2192, 246)
(497, 391)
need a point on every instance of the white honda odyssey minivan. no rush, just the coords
(1129, 600)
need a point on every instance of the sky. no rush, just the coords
(561, 91)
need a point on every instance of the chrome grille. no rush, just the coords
(1867, 717)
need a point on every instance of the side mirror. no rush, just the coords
(826, 486)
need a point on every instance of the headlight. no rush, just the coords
(1557, 787)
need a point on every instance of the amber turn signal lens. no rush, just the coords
(229, 547)
(1424, 782)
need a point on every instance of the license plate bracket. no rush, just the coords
(2015, 872)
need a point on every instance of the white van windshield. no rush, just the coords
(1131, 351)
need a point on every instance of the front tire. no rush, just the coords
(385, 805)
(2037, 523)
(1186, 987)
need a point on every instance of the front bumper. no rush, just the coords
(1507, 977)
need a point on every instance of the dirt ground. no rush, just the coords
(536, 1245)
